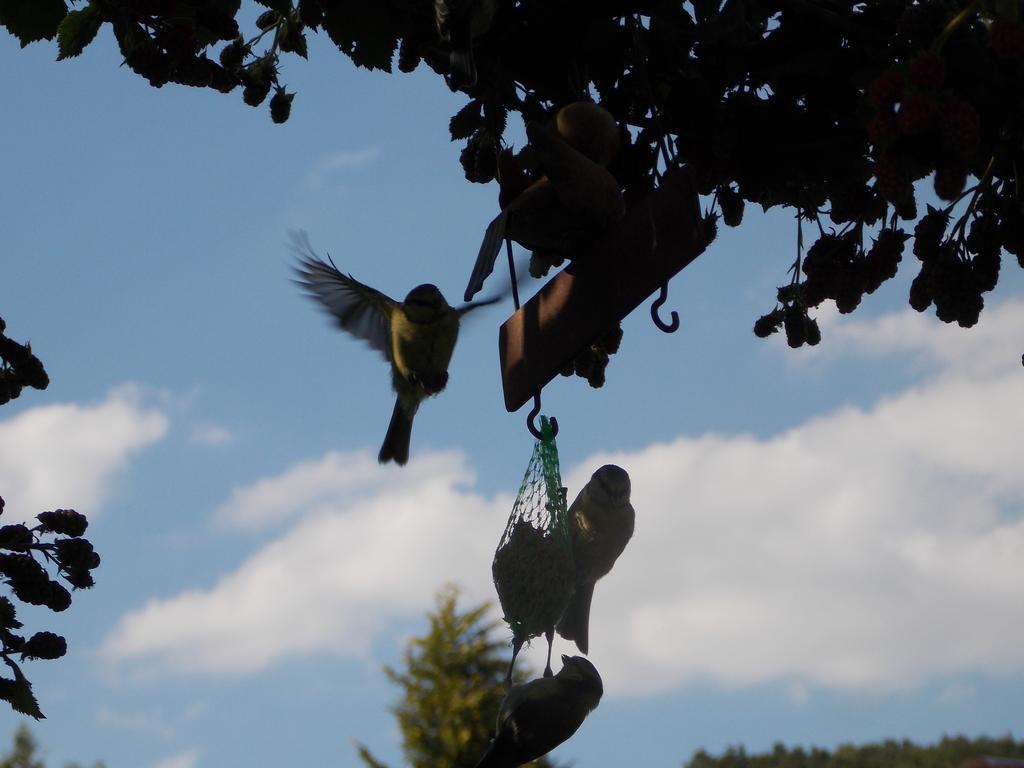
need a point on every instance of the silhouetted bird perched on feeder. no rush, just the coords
(417, 335)
(458, 23)
(601, 523)
(537, 716)
(574, 199)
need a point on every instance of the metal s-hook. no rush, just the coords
(533, 414)
(673, 325)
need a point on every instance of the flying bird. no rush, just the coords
(417, 335)
(537, 716)
(601, 524)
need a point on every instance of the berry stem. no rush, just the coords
(799, 248)
(983, 182)
(249, 44)
(954, 25)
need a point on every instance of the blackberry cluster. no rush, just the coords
(837, 267)
(959, 263)
(920, 127)
(479, 158)
(731, 205)
(19, 368)
(171, 42)
(790, 314)
(25, 556)
(281, 105)
(591, 361)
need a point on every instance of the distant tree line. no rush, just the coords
(950, 752)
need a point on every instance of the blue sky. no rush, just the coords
(829, 542)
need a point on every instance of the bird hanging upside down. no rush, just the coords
(537, 716)
(417, 335)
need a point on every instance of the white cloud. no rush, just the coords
(984, 350)
(210, 434)
(331, 165)
(350, 565)
(304, 486)
(68, 455)
(189, 759)
(134, 721)
(865, 549)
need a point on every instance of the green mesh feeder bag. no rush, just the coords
(533, 569)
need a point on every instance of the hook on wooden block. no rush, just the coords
(673, 325)
(531, 420)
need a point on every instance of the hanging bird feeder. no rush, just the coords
(533, 568)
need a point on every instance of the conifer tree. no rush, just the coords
(25, 752)
(452, 686)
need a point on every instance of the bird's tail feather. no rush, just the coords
(461, 69)
(575, 621)
(489, 248)
(396, 441)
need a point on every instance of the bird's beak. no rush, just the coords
(566, 658)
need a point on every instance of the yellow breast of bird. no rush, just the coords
(599, 535)
(424, 350)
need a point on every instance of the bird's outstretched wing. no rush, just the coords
(359, 309)
(482, 303)
(488, 255)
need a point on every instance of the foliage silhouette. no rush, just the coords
(833, 110)
(57, 540)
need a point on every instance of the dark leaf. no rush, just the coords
(77, 30)
(31, 20)
(311, 13)
(7, 615)
(18, 693)
(230, 7)
(366, 32)
(281, 6)
(294, 41)
(466, 121)
(495, 118)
